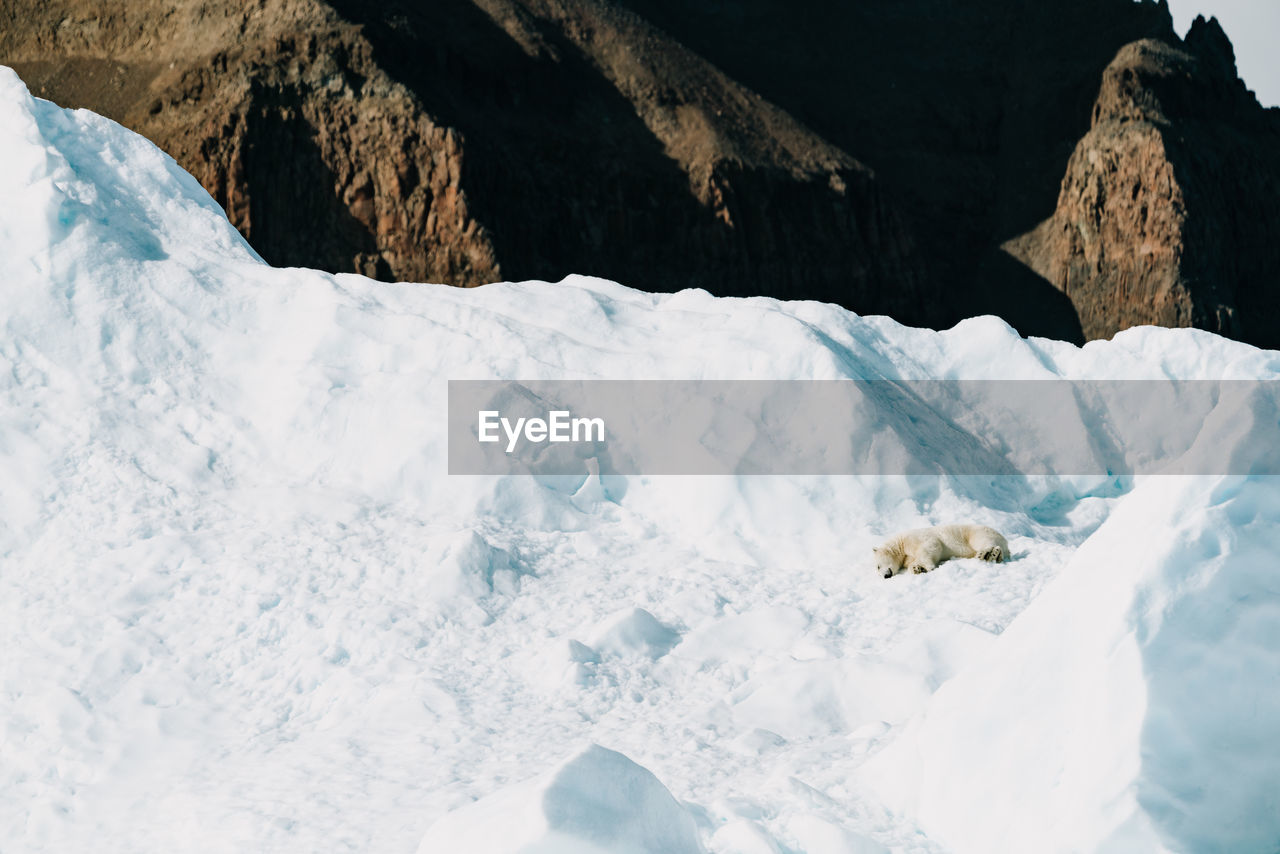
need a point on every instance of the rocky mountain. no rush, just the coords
(903, 158)
(465, 142)
(1169, 213)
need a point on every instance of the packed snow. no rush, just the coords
(243, 607)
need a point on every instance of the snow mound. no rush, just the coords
(742, 638)
(634, 632)
(564, 662)
(463, 569)
(598, 802)
(244, 607)
(816, 836)
(1132, 706)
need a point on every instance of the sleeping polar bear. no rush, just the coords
(924, 548)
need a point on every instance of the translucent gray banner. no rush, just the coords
(864, 427)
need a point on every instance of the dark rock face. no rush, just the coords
(968, 112)
(467, 142)
(280, 112)
(1170, 207)
(728, 146)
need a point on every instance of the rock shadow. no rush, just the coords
(556, 164)
(295, 215)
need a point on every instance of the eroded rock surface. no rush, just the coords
(1170, 207)
(467, 142)
(903, 158)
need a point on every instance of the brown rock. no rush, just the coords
(718, 145)
(279, 111)
(967, 111)
(1170, 206)
(467, 142)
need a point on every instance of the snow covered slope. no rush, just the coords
(1129, 707)
(243, 607)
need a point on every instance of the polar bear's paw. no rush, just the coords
(919, 570)
(994, 554)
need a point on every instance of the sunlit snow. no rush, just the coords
(244, 608)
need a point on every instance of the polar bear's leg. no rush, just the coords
(927, 557)
(989, 544)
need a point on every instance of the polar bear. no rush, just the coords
(924, 548)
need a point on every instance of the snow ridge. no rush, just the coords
(244, 608)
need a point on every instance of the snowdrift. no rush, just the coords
(243, 607)
(597, 802)
(1123, 710)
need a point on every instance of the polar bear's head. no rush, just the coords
(888, 560)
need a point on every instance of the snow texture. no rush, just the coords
(598, 802)
(244, 608)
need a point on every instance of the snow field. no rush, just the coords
(244, 608)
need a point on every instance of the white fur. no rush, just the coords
(924, 548)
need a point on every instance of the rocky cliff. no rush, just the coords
(281, 112)
(903, 158)
(466, 142)
(1169, 212)
(968, 112)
